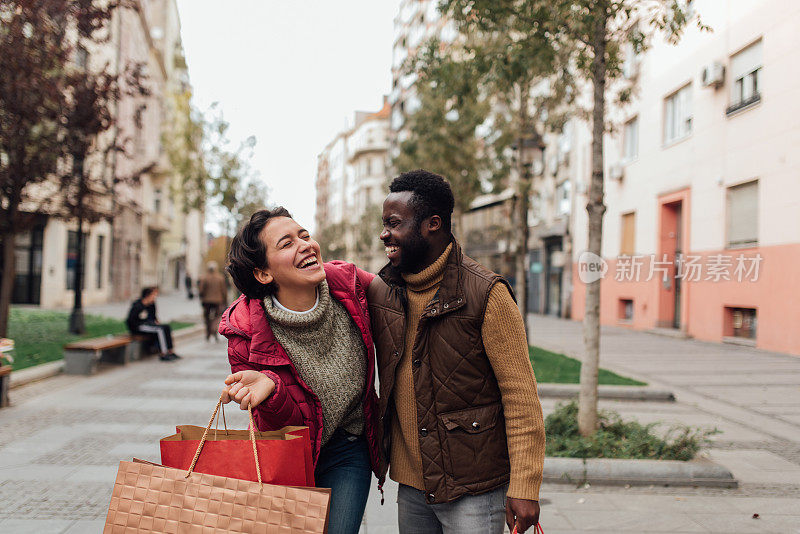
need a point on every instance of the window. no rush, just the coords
(628, 242)
(81, 57)
(562, 197)
(157, 200)
(630, 140)
(98, 264)
(678, 114)
(72, 258)
(740, 322)
(745, 73)
(631, 60)
(625, 313)
(742, 220)
(377, 167)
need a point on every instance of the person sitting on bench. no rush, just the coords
(142, 320)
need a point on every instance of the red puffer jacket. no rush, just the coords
(253, 346)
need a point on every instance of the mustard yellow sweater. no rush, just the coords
(507, 349)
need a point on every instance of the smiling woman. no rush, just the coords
(294, 263)
(301, 353)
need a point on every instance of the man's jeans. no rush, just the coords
(343, 466)
(484, 513)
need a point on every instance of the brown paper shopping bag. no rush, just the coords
(150, 498)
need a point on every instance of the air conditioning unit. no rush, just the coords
(713, 75)
(616, 172)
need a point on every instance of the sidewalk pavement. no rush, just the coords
(63, 437)
(752, 396)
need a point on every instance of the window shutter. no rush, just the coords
(743, 214)
(746, 61)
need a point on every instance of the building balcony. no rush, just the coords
(377, 145)
(157, 222)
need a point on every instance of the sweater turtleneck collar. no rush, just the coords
(430, 275)
(288, 318)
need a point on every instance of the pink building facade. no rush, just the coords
(702, 230)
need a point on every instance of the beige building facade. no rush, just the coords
(149, 239)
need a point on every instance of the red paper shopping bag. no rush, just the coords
(284, 455)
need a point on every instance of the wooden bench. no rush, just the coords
(5, 384)
(82, 357)
(141, 346)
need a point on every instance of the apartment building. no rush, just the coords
(417, 22)
(149, 239)
(350, 188)
(702, 232)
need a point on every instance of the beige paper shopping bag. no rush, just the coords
(150, 498)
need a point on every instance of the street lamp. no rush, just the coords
(529, 150)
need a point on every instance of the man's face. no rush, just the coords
(151, 298)
(405, 246)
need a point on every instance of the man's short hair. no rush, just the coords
(431, 194)
(147, 291)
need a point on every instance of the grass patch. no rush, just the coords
(40, 335)
(554, 367)
(620, 439)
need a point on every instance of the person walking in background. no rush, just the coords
(142, 320)
(187, 281)
(462, 422)
(212, 290)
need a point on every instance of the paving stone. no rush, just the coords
(744, 522)
(756, 466)
(36, 526)
(61, 444)
(86, 526)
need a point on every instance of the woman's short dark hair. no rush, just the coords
(248, 253)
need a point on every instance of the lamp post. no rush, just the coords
(528, 151)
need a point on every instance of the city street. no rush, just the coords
(63, 437)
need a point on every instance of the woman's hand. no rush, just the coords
(248, 388)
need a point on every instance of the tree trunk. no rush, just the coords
(587, 399)
(7, 280)
(76, 323)
(521, 205)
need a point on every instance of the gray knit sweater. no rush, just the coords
(328, 352)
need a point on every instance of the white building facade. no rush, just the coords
(702, 230)
(351, 185)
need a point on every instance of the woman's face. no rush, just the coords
(293, 258)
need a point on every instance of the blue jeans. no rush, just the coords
(484, 513)
(343, 466)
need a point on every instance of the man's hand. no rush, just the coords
(248, 388)
(522, 513)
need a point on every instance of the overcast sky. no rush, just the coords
(289, 72)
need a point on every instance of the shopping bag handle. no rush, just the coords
(224, 423)
(208, 427)
(537, 529)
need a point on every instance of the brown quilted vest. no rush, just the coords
(461, 428)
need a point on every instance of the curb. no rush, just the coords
(623, 393)
(616, 472)
(37, 372)
(50, 369)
